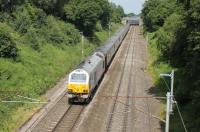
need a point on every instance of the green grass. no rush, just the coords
(104, 34)
(156, 67)
(34, 73)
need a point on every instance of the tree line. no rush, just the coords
(53, 21)
(175, 25)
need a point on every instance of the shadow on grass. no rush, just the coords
(161, 88)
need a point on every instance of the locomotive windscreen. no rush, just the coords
(78, 78)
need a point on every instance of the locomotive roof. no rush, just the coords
(92, 62)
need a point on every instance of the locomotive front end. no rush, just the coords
(78, 86)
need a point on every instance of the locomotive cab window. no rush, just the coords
(78, 78)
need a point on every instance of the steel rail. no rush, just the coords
(117, 91)
(127, 106)
(69, 119)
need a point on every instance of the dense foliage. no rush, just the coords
(86, 13)
(175, 26)
(130, 14)
(39, 20)
(117, 13)
(8, 47)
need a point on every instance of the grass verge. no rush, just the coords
(162, 85)
(155, 68)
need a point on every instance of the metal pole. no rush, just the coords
(109, 29)
(109, 26)
(167, 112)
(82, 51)
(172, 89)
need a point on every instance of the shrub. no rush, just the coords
(8, 47)
(31, 38)
(26, 16)
(58, 32)
(99, 27)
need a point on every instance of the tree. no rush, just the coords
(8, 5)
(84, 14)
(177, 35)
(155, 13)
(8, 47)
(105, 12)
(130, 14)
(117, 12)
(54, 7)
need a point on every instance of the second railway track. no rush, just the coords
(119, 110)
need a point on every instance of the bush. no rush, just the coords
(4, 16)
(99, 27)
(58, 32)
(27, 16)
(31, 38)
(84, 14)
(8, 47)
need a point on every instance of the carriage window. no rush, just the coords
(80, 78)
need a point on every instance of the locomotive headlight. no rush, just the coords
(69, 90)
(85, 91)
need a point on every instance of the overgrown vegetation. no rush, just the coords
(175, 34)
(40, 41)
(8, 47)
(85, 14)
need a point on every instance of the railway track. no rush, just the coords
(69, 119)
(49, 121)
(129, 102)
(123, 106)
(62, 117)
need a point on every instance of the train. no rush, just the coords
(133, 20)
(85, 78)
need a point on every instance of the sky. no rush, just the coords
(130, 6)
